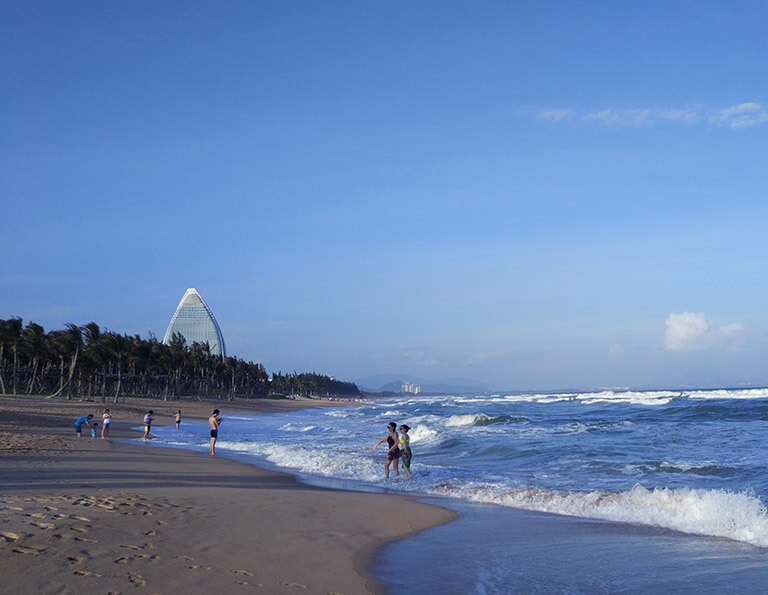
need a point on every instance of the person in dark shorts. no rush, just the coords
(393, 453)
(81, 421)
(214, 421)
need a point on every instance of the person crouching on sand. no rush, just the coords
(214, 421)
(81, 421)
(394, 451)
(405, 450)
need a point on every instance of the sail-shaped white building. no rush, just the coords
(194, 321)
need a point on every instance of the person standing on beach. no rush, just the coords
(147, 424)
(214, 421)
(393, 452)
(105, 421)
(405, 450)
(80, 421)
(178, 419)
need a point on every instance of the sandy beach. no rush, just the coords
(105, 516)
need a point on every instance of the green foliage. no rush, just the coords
(85, 361)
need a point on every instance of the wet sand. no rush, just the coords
(104, 516)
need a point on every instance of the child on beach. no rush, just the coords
(394, 451)
(106, 419)
(80, 421)
(147, 424)
(405, 450)
(93, 429)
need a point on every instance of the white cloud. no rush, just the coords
(742, 115)
(685, 331)
(689, 331)
(555, 115)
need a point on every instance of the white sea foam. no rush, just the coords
(475, 419)
(740, 516)
(751, 393)
(422, 434)
(298, 428)
(468, 419)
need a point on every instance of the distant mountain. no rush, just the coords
(393, 383)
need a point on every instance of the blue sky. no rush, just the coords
(535, 195)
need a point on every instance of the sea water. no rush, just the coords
(693, 463)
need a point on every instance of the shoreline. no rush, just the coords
(166, 520)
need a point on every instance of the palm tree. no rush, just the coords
(34, 347)
(10, 333)
(119, 349)
(68, 343)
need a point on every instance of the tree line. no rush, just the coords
(88, 362)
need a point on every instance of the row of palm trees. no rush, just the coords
(86, 361)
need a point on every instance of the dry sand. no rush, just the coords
(104, 516)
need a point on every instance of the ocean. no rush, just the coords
(568, 492)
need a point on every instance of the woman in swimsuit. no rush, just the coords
(405, 450)
(393, 452)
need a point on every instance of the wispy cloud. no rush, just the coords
(742, 115)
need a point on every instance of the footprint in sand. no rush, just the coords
(198, 567)
(76, 559)
(80, 572)
(79, 518)
(243, 572)
(86, 540)
(79, 529)
(44, 525)
(297, 585)
(9, 535)
(137, 580)
(24, 549)
(36, 515)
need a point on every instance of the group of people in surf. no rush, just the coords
(399, 449)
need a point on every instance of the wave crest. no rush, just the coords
(740, 516)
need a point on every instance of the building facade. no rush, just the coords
(194, 321)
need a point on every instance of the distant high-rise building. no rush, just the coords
(194, 321)
(408, 387)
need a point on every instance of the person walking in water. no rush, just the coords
(178, 419)
(393, 452)
(405, 450)
(214, 421)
